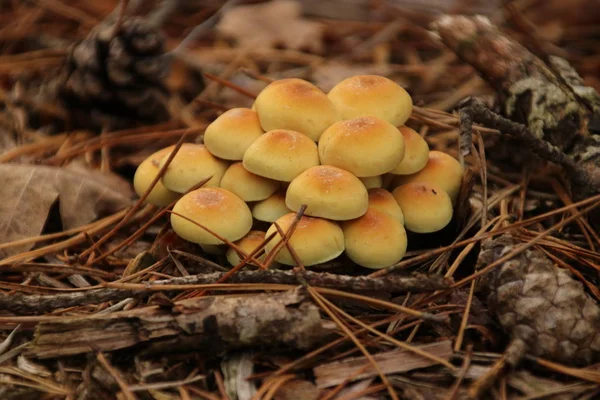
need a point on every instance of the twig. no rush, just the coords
(475, 110)
(24, 304)
(138, 203)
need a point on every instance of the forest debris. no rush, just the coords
(390, 362)
(357, 10)
(271, 24)
(29, 193)
(217, 323)
(551, 109)
(21, 303)
(117, 75)
(545, 106)
(236, 369)
(31, 367)
(7, 342)
(532, 93)
(354, 388)
(14, 378)
(9, 390)
(298, 389)
(531, 385)
(437, 7)
(545, 311)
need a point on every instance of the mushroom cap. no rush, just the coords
(375, 240)
(426, 206)
(371, 182)
(247, 244)
(229, 135)
(315, 240)
(416, 153)
(281, 155)
(382, 200)
(191, 165)
(373, 95)
(272, 208)
(441, 169)
(214, 208)
(365, 146)
(297, 105)
(328, 192)
(246, 185)
(144, 175)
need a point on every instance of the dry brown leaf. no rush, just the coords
(272, 24)
(28, 193)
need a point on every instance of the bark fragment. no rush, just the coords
(286, 319)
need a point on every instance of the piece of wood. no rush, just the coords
(390, 362)
(286, 319)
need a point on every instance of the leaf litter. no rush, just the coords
(29, 192)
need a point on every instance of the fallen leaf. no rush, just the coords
(272, 24)
(30, 191)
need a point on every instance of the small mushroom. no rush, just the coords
(328, 192)
(297, 105)
(272, 208)
(246, 185)
(365, 146)
(371, 182)
(217, 209)
(416, 153)
(372, 95)
(441, 169)
(247, 244)
(382, 200)
(232, 133)
(375, 240)
(281, 155)
(144, 175)
(426, 206)
(315, 240)
(192, 164)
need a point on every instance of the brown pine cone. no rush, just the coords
(541, 305)
(118, 75)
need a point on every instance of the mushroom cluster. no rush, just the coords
(364, 177)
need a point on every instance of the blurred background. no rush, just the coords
(319, 40)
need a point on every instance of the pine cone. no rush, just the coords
(540, 304)
(118, 75)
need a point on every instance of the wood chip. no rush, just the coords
(390, 362)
